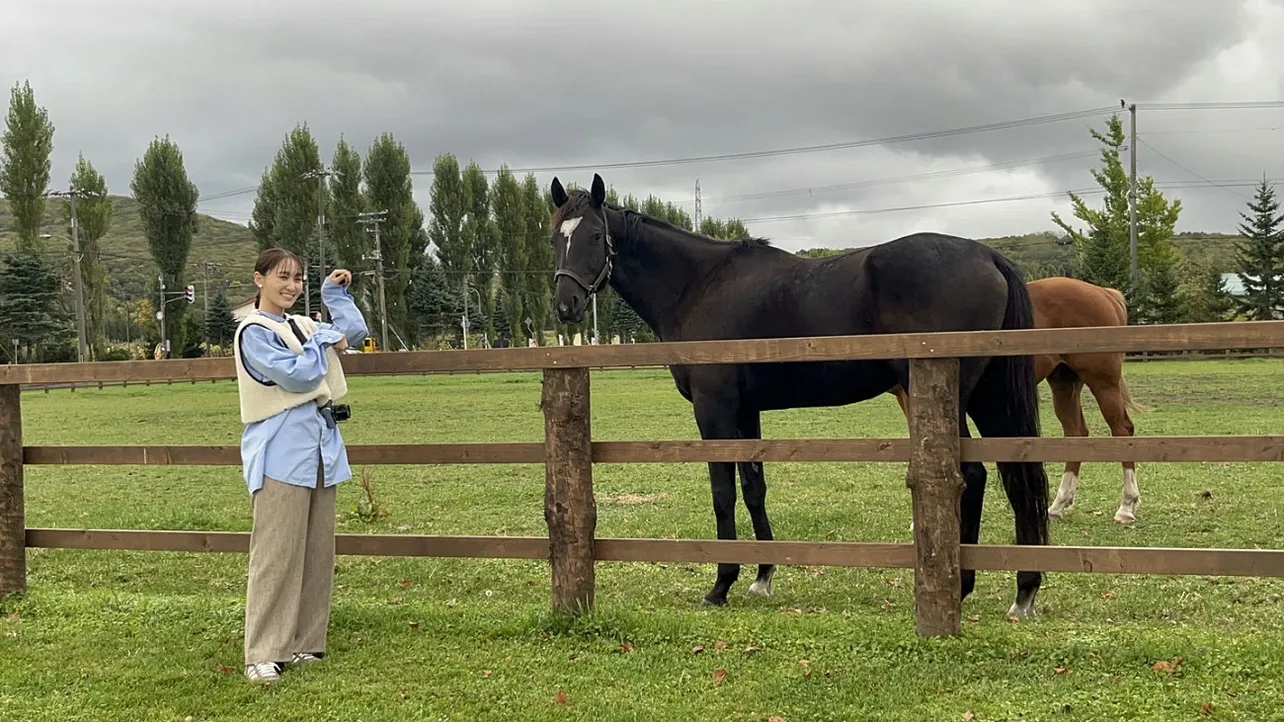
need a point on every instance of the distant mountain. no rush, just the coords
(129, 262)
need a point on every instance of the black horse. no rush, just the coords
(689, 287)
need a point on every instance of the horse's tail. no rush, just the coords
(1026, 483)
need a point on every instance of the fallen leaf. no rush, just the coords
(560, 698)
(752, 650)
(485, 672)
(1059, 670)
(224, 669)
(1107, 595)
(719, 675)
(189, 718)
(968, 717)
(973, 617)
(404, 583)
(1207, 708)
(803, 662)
(414, 625)
(1164, 665)
(773, 718)
(1014, 619)
(626, 646)
(14, 616)
(697, 649)
(818, 571)
(719, 644)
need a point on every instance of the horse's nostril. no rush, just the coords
(563, 308)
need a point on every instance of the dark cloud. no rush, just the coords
(547, 84)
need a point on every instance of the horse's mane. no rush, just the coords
(579, 196)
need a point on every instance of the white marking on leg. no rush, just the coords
(1131, 495)
(1022, 612)
(568, 227)
(760, 588)
(1065, 495)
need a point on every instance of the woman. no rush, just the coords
(293, 456)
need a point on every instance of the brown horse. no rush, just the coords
(1071, 303)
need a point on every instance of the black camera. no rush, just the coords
(341, 412)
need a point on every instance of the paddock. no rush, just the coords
(569, 452)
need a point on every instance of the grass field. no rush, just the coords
(157, 636)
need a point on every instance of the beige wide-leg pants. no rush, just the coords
(287, 600)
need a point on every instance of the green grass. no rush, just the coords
(132, 636)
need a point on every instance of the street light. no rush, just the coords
(469, 287)
(80, 296)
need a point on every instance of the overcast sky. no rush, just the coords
(554, 84)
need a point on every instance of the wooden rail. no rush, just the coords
(933, 452)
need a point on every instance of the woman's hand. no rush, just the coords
(340, 276)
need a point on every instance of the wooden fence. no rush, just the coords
(933, 451)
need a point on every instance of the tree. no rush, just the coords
(509, 203)
(93, 216)
(731, 229)
(285, 210)
(31, 308)
(167, 208)
(389, 188)
(1104, 248)
(24, 167)
(479, 229)
(220, 323)
(447, 209)
(1203, 293)
(538, 299)
(431, 300)
(1259, 257)
(349, 239)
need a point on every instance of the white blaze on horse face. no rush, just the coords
(568, 228)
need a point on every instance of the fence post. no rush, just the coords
(13, 526)
(569, 508)
(936, 486)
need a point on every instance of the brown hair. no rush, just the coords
(269, 260)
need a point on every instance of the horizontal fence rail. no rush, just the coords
(987, 557)
(1175, 337)
(1087, 449)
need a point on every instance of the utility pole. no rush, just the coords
(372, 220)
(321, 175)
(1132, 195)
(71, 194)
(208, 267)
(160, 314)
(698, 208)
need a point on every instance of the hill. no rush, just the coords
(125, 252)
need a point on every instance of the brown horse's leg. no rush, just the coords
(1110, 398)
(1066, 388)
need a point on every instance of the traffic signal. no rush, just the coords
(190, 293)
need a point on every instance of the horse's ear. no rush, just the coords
(599, 190)
(559, 193)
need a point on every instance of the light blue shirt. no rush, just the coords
(288, 445)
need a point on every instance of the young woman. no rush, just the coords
(293, 456)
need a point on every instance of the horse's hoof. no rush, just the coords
(759, 588)
(1057, 513)
(1124, 517)
(1022, 612)
(707, 602)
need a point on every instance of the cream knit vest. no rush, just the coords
(259, 400)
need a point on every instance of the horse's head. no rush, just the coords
(582, 248)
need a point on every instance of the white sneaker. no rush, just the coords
(266, 672)
(304, 658)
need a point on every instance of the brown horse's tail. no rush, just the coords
(1121, 304)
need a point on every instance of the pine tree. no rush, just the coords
(1259, 257)
(1104, 252)
(24, 166)
(285, 211)
(167, 208)
(220, 323)
(431, 300)
(94, 216)
(1203, 294)
(31, 308)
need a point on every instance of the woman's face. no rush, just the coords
(281, 286)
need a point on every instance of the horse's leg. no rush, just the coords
(1110, 399)
(753, 483)
(974, 477)
(1066, 390)
(717, 420)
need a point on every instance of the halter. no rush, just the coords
(603, 275)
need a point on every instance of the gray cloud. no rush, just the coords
(546, 84)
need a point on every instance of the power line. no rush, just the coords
(1161, 154)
